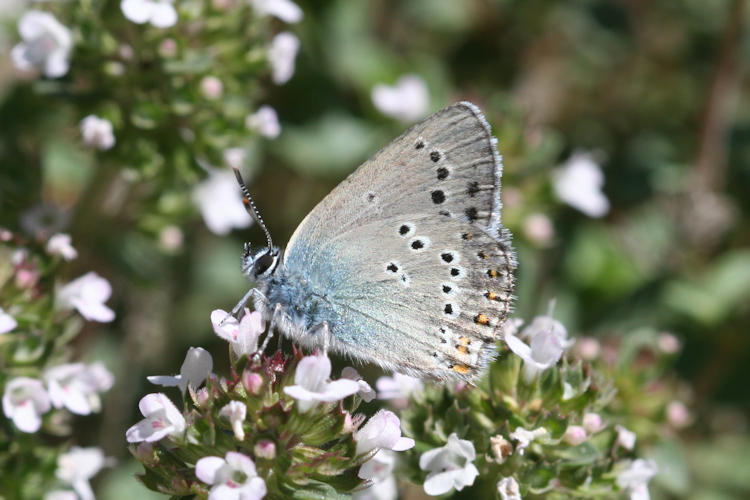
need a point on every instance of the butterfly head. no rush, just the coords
(259, 263)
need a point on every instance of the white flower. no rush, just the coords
(76, 386)
(407, 100)
(235, 412)
(548, 340)
(61, 495)
(574, 435)
(233, 477)
(25, 401)
(525, 437)
(382, 431)
(265, 121)
(60, 244)
(160, 13)
(311, 383)
(501, 448)
(281, 55)
(508, 489)
(634, 479)
(286, 10)
(78, 466)
(194, 370)
(220, 201)
(578, 182)
(162, 419)
(450, 466)
(171, 238)
(380, 489)
(46, 44)
(97, 133)
(234, 157)
(365, 391)
(625, 438)
(242, 335)
(7, 322)
(87, 293)
(398, 388)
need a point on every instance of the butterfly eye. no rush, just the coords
(265, 263)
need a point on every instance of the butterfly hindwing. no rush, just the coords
(409, 254)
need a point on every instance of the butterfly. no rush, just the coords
(404, 264)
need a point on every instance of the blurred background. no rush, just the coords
(625, 131)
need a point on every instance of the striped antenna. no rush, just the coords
(247, 200)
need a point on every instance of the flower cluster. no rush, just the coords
(276, 426)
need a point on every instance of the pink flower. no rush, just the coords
(232, 478)
(311, 383)
(450, 466)
(592, 422)
(194, 370)
(211, 87)
(538, 229)
(407, 100)
(24, 402)
(574, 435)
(242, 335)
(162, 419)
(88, 294)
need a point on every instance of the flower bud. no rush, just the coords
(252, 382)
(265, 449)
(501, 448)
(592, 423)
(574, 435)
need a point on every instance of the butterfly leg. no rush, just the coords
(271, 326)
(254, 293)
(324, 330)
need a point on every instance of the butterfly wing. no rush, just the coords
(409, 252)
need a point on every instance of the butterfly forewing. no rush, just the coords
(409, 253)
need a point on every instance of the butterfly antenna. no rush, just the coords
(247, 200)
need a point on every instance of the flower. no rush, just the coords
(25, 401)
(78, 466)
(450, 466)
(233, 477)
(592, 422)
(508, 488)
(548, 340)
(635, 476)
(578, 182)
(220, 202)
(162, 419)
(525, 437)
(211, 87)
(625, 438)
(311, 383)
(382, 431)
(265, 121)
(234, 157)
(97, 133)
(501, 448)
(365, 391)
(538, 229)
(235, 412)
(160, 13)
(381, 474)
(61, 495)
(242, 335)
(46, 44)
(574, 435)
(265, 448)
(87, 293)
(398, 388)
(7, 322)
(194, 370)
(60, 244)
(407, 100)
(668, 343)
(588, 348)
(171, 238)
(678, 415)
(281, 55)
(286, 10)
(76, 386)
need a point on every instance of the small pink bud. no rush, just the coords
(211, 87)
(26, 278)
(144, 452)
(574, 435)
(538, 229)
(678, 415)
(265, 449)
(592, 423)
(5, 235)
(252, 382)
(202, 397)
(588, 348)
(668, 343)
(168, 47)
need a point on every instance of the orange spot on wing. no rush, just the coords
(482, 319)
(462, 369)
